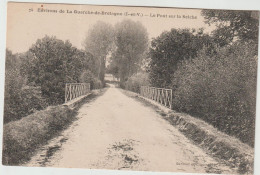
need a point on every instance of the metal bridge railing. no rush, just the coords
(75, 90)
(160, 95)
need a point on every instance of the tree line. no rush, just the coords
(36, 79)
(124, 46)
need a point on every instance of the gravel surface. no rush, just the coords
(118, 132)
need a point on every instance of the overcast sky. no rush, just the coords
(25, 27)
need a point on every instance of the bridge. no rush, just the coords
(123, 130)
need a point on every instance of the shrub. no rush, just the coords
(137, 80)
(23, 103)
(88, 77)
(221, 89)
(20, 99)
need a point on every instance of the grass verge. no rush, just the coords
(228, 149)
(22, 137)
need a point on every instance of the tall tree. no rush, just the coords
(99, 43)
(242, 25)
(113, 69)
(168, 49)
(131, 40)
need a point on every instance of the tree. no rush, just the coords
(37, 78)
(13, 86)
(168, 49)
(113, 69)
(99, 43)
(231, 24)
(50, 63)
(220, 89)
(131, 40)
(20, 99)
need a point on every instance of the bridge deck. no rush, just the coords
(117, 132)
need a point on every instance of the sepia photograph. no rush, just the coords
(130, 88)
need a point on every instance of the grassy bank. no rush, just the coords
(23, 136)
(219, 145)
(229, 149)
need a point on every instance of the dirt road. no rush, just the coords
(117, 132)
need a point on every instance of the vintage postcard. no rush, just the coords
(130, 88)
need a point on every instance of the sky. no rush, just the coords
(27, 22)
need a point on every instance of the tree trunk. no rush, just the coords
(101, 72)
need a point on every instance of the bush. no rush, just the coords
(22, 137)
(88, 77)
(97, 84)
(221, 89)
(20, 100)
(23, 103)
(137, 80)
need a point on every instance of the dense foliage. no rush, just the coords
(168, 49)
(36, 79)
(20, 99)
(220, 89)
(137, 80)
(213, 77)
(51, 63)
(89, 77)
(243, 25)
